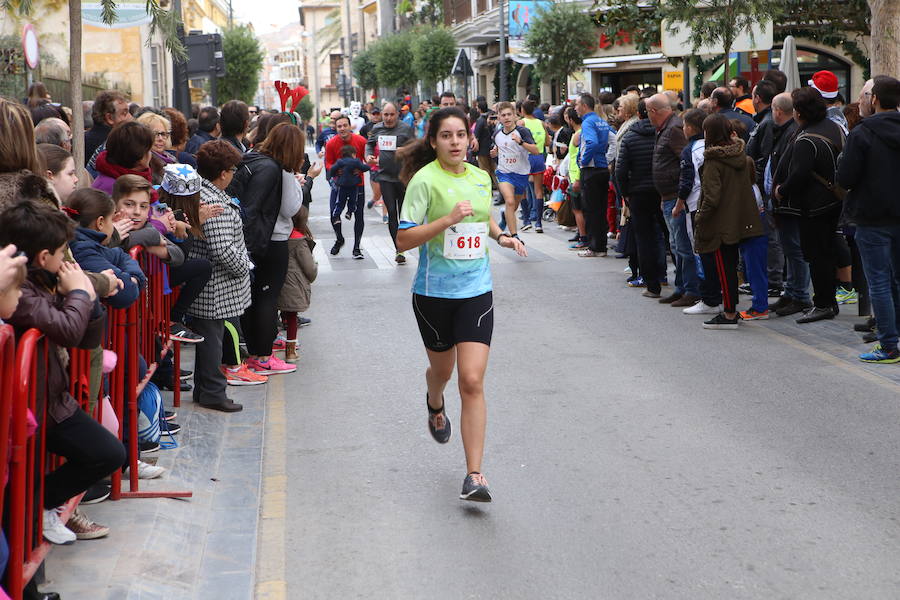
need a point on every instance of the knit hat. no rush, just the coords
(826, 82)
(180, 180)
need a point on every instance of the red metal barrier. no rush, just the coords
(133, 332)
(28, 462)
(7, 387)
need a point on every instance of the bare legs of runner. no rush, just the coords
(511, 200)
(470, 360)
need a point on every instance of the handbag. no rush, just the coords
(832, 186)
(565, 216)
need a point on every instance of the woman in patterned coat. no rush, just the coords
(227, 295)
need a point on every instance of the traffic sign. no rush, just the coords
(30, 46)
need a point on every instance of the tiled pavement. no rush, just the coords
(172, 549)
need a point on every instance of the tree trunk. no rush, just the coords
(885, 41)
(75, 81)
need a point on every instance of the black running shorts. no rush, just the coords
(445, 322)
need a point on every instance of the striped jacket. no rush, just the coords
(227, 294)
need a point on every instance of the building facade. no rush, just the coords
(617, 64)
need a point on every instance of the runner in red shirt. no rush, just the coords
(346, 137)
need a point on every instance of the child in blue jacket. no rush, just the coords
(93, 212)
(347, 174)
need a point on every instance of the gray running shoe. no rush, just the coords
(475, 488)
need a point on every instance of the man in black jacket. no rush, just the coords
(208, 129)
(867, 170)
(110, 108)
(759, 148)
(634, 172)
(723, 103)
(795, 297)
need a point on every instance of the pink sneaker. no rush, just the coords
(272, 366)
(279, 344)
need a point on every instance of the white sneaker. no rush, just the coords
(54, 530)
(147, 471)
(701, 308)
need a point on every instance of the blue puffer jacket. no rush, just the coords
(89, 251)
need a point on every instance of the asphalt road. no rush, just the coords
(631, 454)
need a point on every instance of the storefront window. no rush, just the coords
(617, 82)
(811, 61)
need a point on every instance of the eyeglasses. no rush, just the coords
(252, 112)
(233, 169)
(162, 134)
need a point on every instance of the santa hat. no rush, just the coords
(826, 82)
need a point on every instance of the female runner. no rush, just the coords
(447, 213)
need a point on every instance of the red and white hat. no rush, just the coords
(826, 82)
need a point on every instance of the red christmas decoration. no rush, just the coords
(295, 95)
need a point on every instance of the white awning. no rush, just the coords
(523, 59)
(632, 58)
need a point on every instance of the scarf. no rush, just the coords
(107, 168)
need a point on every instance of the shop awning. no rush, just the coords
(608, 62)
(523, 59)
(128, 14)
(718, 73)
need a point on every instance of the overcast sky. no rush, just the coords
(266, 16)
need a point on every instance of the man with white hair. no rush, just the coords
(795, 297)
(670, 142)
(53, 130)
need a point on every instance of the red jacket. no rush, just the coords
(334, 145)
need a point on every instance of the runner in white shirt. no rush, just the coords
(512, 145)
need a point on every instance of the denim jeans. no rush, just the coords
(686, 279)
(537, 208)
(796, 285)
(879, 249)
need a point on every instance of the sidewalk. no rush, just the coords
(172, 549)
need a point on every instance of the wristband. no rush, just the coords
(502, 235)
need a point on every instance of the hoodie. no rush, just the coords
(867, 170)
(727, 212)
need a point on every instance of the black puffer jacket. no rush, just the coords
(867, 171)
(761, 140)
(634, 165)
(802, 194)
(257, 185)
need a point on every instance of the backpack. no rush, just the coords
(149, 413)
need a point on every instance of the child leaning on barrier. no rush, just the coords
(93, 211)
(59, 300)
(131, 194)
